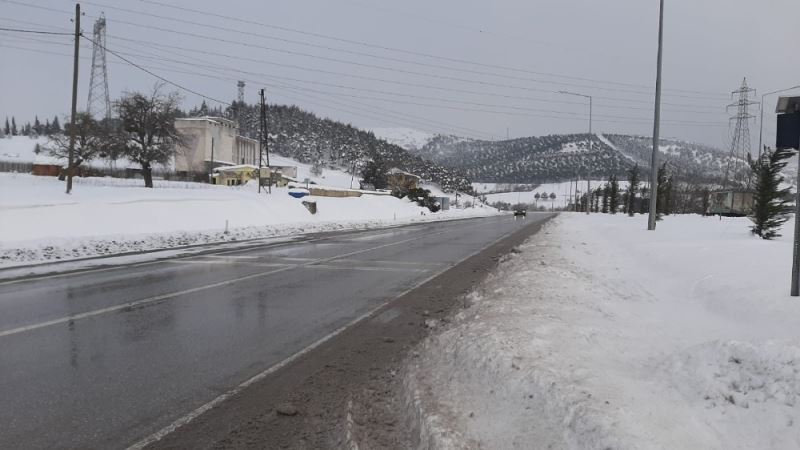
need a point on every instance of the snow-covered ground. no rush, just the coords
(21, 149)
(600, 334)
(563, 193)
(408, 138)
(104, 216)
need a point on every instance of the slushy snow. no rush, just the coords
(600, 334)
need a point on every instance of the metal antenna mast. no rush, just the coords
(99, 104)
(740, 143)
(240, 85)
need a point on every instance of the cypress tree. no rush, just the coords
(606, 191)
(7, 128)
(613, 195)
(55, 126)
(14, 126)
(771, 203)
(633, 187)
(37, 126)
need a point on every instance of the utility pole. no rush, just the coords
(651, 218)
(264, 145)
(73, 127)
(591, 140)
(261, 140)
(212, 160)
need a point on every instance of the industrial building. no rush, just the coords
(212, 142)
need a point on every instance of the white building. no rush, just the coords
(212, 142)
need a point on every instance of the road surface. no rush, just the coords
(105, 358)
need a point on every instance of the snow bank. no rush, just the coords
(600, 334)
(105, 216)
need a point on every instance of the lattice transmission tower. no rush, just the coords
(240, 96)
(99, 103)
(740, 140)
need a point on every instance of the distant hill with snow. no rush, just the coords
(559, 157)
(407, 138)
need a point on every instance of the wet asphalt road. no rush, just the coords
(102, 359)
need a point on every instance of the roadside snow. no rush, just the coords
(105, 216)
(600, 334)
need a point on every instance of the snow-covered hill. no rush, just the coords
(408, 138)
(559, 157)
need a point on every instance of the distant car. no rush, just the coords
(520, 213)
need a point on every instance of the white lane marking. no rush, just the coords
(230, 263)
(157, 298)
(136, 303)
(157, 436)
(365, 268)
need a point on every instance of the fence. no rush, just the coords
(15, 166)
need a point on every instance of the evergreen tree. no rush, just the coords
(771, 203)
(374, 172)
(316, 161)
(37, 126)
(606, 191)
(55, 127)
(613, 195)
(664, 193)
(14, 131)
(37, 149)
(27, 129)
(596, 198)
(46, 128)
(633, 187)
(7, 128)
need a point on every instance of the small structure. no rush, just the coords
(212, 142)
(444, 203)
(401, 181)
(242, 173)
(234, 175)
(731, 203)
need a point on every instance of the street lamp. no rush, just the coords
(591, 140)
(761, 120)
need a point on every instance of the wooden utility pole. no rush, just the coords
(73, 127)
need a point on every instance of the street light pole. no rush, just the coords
(591, 141)
(651, 219)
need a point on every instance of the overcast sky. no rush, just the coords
(520, 52)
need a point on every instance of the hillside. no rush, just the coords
(558, 157)
(407, 138)
(301, 135)
(526, 160)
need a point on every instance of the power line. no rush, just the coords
(179, 86)
(19, 30)
(410, 52)
(204, 65)
(369, 55)
(415, 121)
(612, 99)
(160, 47)
(324, 58)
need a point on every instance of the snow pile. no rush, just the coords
(600, 334)
(105, 216)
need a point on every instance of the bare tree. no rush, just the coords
(148, 128)
(92, 140)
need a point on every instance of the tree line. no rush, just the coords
(37, 128)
